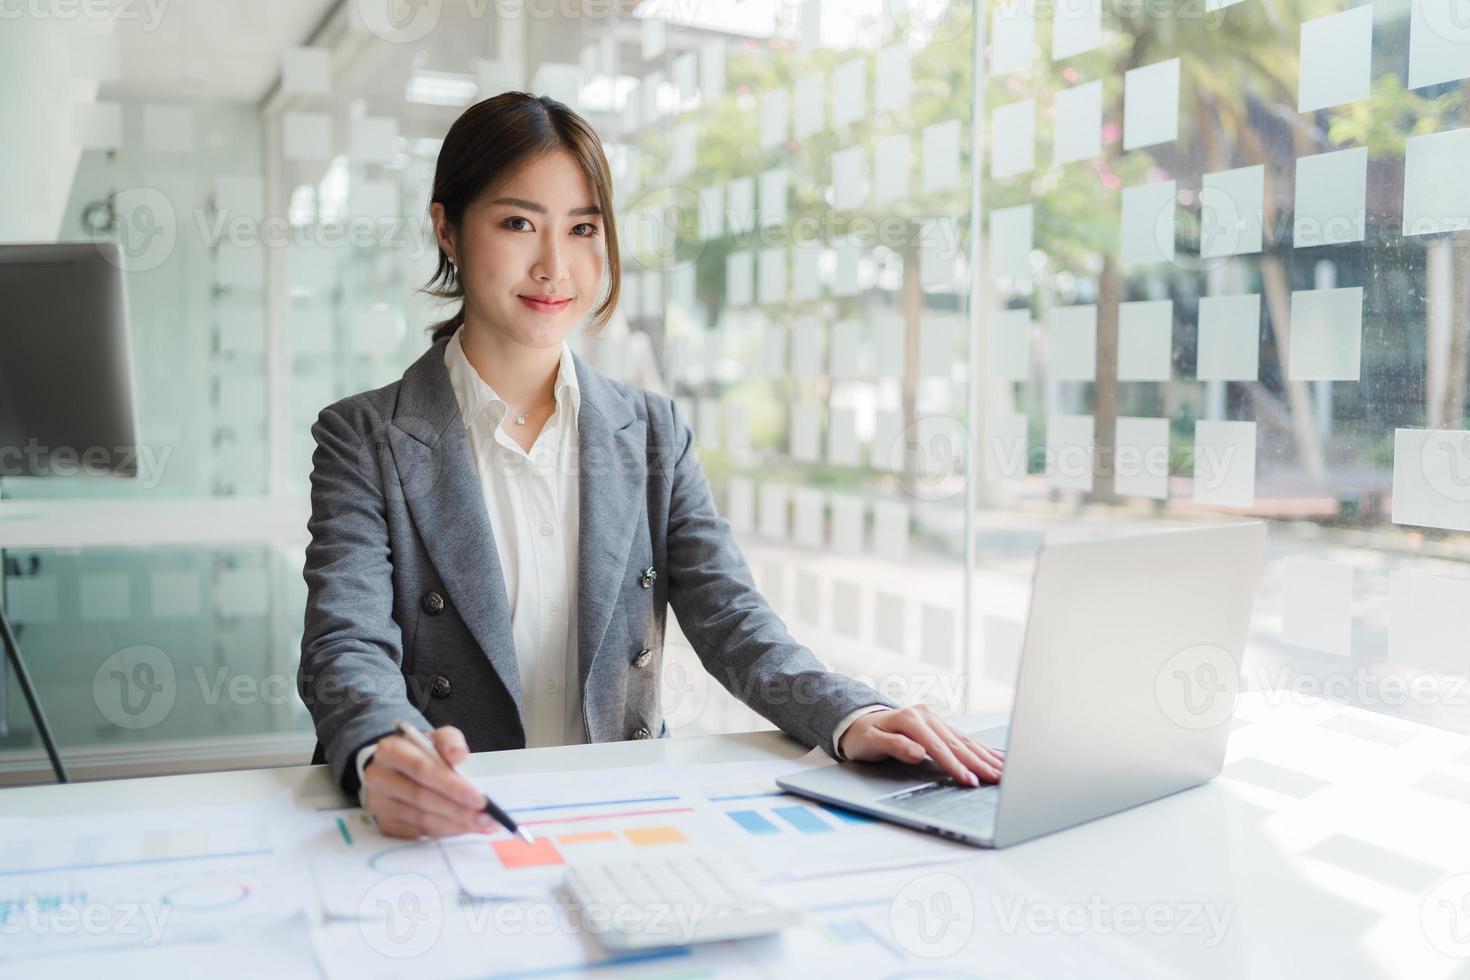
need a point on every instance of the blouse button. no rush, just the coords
(433, 603)
(441, 687)
(648, 577)
(642, 733)
(644, 658)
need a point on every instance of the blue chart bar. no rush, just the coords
(803, 819)
(848, 815)
(753, 822)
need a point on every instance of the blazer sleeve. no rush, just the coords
(735, 633)
(351, 646)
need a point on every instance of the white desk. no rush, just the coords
(1335, 844)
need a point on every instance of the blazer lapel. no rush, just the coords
(611, 476)
(446, 499)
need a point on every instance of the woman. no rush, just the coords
(495, 536)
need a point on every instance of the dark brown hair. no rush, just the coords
(487, 143)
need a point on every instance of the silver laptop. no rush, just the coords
(1125, 692)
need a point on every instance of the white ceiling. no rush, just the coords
(207, 50)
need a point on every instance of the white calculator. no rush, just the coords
(675, 900)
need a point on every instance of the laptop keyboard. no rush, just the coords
(972, 807)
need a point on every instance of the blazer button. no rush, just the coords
(643, 733)
(433, 603)
(648, 576)
(441, 687)
(644, 658)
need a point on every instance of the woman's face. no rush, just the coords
(531, 252)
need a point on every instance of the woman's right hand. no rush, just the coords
(413, 796)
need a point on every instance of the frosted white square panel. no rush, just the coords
(848, 518)
(1077, 134)
(842, 444)
(740, 504)
(1331, 191)
(886, 451)
(1326, 334)
(1012, 36)
(243, 592)
(1429, 618)
(1336, 56)
(1011, 242)
(99, 126)
(940, 146)
(1069, 452)
(1145, 340)
(1225, 463)
(374, 139)
(1230, 212)
(805, 433)
(850, 92)
(891, 531)
(168, 129)
(175, 594)
(1072, 343)
(809, 513)
(808, 94)
(1076, 27)
(848, 190)
(1003, 455)
(740, 204)
(806, 349)
(739, 278)
(1431, 478)
(1439, 42)
(891, 91)
(806, 277)
(775, 110)
(306, 135)
(1436, 193)
(1148, 223)
(891, 168)
(845, 349)
(104, 597)
(771, 277)
(1151, 104)
(306, 71)
(712, 69)
(888, 621)
(1229, 347)
(774, 500)
(1013, 139)
(1010, 345)
(1317, 605)
(1141, 461)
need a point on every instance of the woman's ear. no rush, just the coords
(442, 233)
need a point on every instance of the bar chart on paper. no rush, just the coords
(132, 881)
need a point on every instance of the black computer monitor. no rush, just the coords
(66, 363)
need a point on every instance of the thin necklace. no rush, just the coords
(521, 419)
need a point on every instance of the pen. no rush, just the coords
(421, 742)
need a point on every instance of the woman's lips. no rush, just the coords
(548, 305)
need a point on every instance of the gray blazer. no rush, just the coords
(406, 610)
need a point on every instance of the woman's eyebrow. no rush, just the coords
(520, 202)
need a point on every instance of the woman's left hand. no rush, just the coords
(909, 734)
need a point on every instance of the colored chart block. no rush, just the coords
(644, 836)
(753, 822)
(590, 837)
(516, 853)
(848, 815)
(803, 819)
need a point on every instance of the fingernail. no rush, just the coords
(973, 779)
(484, 820)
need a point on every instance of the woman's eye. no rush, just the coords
(591, 229)
(512, 221)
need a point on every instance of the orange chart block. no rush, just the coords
(643, 836)
(592, 836)
(516, 853)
